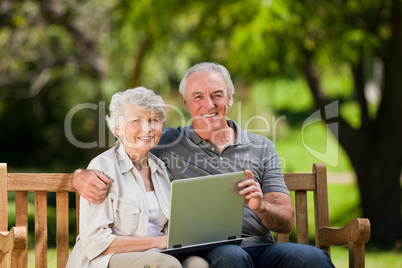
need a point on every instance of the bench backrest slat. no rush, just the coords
(3, 209)
(301, 217)
(32, 182)
(300, 181)
(41, 229)
(62, 228)
(21, 219)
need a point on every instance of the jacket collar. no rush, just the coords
(126, 164)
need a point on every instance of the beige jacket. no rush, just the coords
(125, 210)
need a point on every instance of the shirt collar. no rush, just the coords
(242, 136)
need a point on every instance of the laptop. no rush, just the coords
(205, 212)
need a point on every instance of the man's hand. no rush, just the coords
(91, 185)
(252, 191)
(275, 209)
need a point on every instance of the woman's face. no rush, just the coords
(140, 132)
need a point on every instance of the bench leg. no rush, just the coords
(356, 255)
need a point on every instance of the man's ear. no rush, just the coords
(230, 102)
(184, 102)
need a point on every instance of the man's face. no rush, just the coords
(207, 101)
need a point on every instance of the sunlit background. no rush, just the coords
(61, 61)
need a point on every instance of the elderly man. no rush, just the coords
(211, 145)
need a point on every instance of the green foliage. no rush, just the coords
(48, 67)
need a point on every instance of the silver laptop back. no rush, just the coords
(205, 209)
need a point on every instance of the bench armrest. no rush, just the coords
(355, 235)
(14, 240)
(357, 231)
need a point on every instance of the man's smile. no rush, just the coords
(209, 115)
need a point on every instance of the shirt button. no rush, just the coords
(212, 149)
(221, 158)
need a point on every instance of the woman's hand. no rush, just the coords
(252, 191)
(127, 243)
(161, 242)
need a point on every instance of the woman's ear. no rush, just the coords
(117, 132)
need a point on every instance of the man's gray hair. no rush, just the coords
(142, 98)
(206, 67)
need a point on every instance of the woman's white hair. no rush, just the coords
(140, 97)
(206, 67)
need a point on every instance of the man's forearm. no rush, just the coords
(277, 218)
(277, 212)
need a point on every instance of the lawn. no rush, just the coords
(374, 258)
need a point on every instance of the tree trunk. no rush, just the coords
(378, 174)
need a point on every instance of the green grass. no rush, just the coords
(374, 258)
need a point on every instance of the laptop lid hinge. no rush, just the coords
(177, 246)
(231, 237)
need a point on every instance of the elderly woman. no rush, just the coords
(129, 227)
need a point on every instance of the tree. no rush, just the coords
(365, 39)
(375, 148)
(50, 62)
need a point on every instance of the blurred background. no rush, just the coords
(321, 79)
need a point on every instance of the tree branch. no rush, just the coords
(87, 45)
(347, 135)
(311, 75)
(139, 59)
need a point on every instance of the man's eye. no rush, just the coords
(218, 96)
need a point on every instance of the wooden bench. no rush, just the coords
(14, 241)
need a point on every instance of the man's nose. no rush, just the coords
(209, 102)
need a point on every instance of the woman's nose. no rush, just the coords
(147, 126)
